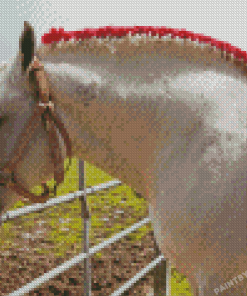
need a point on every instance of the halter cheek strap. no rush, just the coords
(44, 113)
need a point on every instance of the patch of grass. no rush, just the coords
(179, 284)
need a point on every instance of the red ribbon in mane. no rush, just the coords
(57, 35)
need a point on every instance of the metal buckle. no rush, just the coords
(50, 105)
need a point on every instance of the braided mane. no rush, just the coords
(194, 46)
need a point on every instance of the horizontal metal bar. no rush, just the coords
(119, 235)
(138, 276)
(39, 207)
(77, 259)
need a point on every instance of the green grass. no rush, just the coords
(101, 206)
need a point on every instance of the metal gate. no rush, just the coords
(162, 273)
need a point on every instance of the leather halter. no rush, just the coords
(43, 112)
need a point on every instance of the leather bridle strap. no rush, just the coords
(53, 124)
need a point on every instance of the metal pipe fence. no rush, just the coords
(162, 272)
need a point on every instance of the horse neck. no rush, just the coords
(122, 107)
(119, 134)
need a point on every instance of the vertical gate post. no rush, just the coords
(160, 276)
(168, 277)
(85, 215)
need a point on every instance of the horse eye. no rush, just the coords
(3, 119)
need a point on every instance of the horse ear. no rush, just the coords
(27, 44)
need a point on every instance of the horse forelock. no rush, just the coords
(125, 42)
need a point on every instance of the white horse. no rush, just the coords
(167, 116)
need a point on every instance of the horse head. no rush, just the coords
(26, 108)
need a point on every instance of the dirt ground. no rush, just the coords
(119, 262)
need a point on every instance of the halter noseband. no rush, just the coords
(44, 112)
